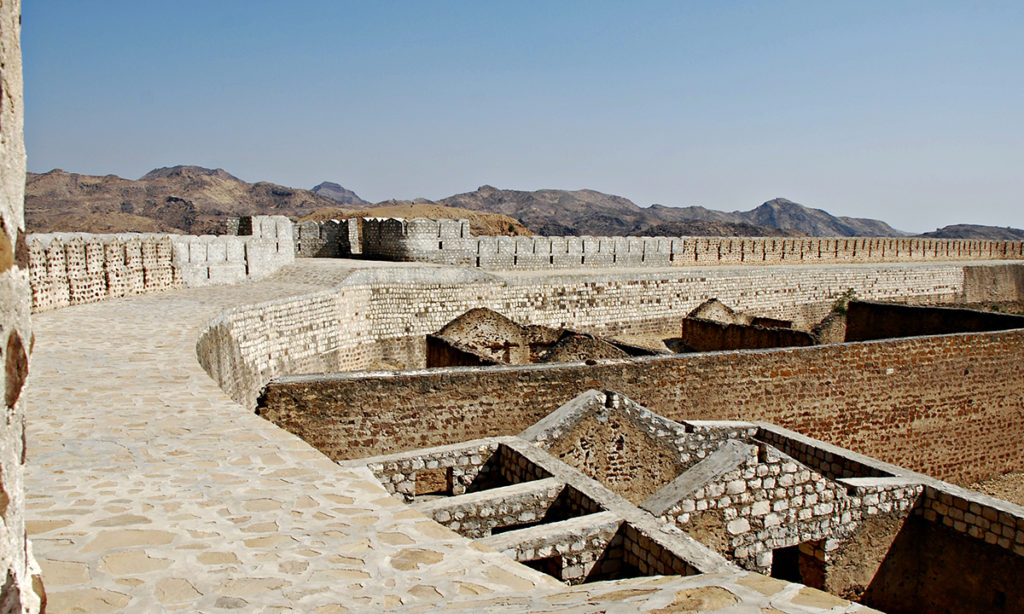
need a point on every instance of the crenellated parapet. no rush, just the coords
(76, 268)
(451, 242)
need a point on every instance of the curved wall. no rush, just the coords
(381, 315)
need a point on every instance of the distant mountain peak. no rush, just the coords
(337, 193)
(185, 170)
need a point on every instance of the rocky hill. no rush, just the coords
(338, 194)
(187, 199)
(976, 232)
(480, 223)
(197, 200)
(587, 212)
(709, 228)
(557, 212)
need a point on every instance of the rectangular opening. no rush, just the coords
(551, 565)
(799, 563)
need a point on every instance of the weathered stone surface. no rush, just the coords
(132, 562)
(22, 590)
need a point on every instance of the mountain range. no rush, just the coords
(184, 199)
(197, 200)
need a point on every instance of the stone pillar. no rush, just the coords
(22, 588)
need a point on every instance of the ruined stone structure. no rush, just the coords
(766, 498)
(714, 326)
(22, 588)
(382, 315)
(450, 242)
(318, 317)
(485, 337)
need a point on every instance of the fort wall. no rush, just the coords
(887, 399)
(74, 268)
(382, 316)
(451, 242)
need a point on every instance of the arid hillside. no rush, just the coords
(185, 199)
(976, 232)
(587, 212)
(708, 228)
(196, 200)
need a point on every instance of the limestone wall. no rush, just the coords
(74, 268)
(450, 242)
(22, 588)
(320, 239)
(247, 346)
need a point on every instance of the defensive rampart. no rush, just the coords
(74, 268)
(381, 316)
(451, 242)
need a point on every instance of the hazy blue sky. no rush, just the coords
(911, 112)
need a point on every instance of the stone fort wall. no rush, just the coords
(74, 268)
(381, 317)
(451, 242)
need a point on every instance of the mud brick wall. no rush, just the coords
(450, 242)
(891, 400)
(881, 321)
(708, 336)
(21, 587)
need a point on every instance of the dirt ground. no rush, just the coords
(1008, 487)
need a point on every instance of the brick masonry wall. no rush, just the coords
(21, 588)
(450, 242)
(246, 346)
(892, 400)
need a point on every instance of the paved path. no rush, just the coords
(148, 489)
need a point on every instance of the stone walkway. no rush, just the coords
(148, 489)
